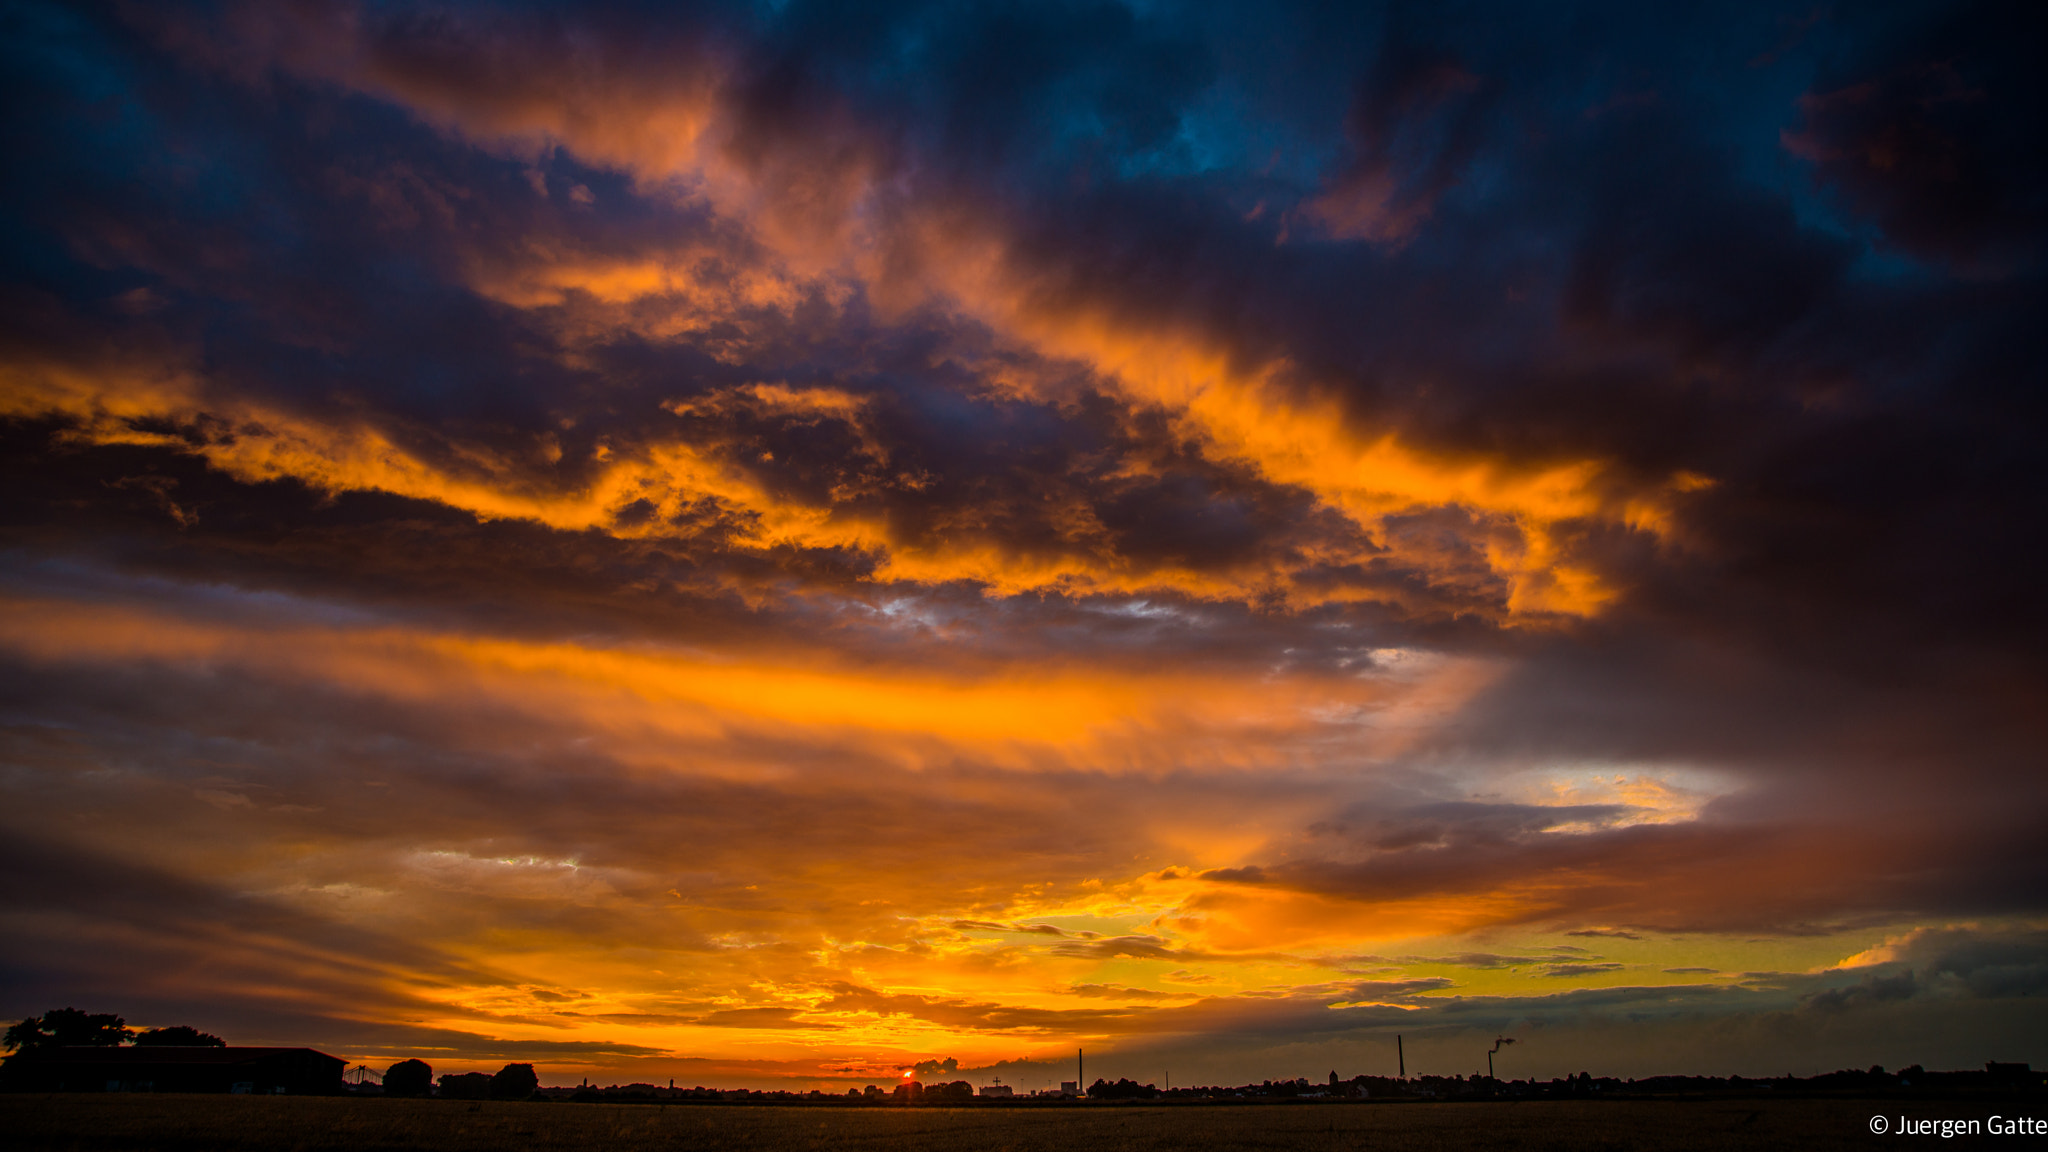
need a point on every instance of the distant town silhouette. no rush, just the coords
(69, 1050)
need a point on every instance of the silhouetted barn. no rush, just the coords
(263, 1071)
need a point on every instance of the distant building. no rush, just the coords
(1001, 1090)
(1070, 1087)
(259, 1071)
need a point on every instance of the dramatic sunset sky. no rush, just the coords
(767, 544)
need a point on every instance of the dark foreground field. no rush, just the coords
(89, 1122)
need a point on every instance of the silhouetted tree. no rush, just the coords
(68, 1027)
(178, 1036)
(409, 1078)
(514, 1082)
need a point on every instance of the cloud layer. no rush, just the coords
(827, 539)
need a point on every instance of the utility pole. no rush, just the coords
(1081, 1071)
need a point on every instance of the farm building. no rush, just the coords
(265, 1071)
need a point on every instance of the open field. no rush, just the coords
(89, 1122)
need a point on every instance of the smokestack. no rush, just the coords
(1081, 1071)
(1401, 1056)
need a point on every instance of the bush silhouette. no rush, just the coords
(514, 1082)
(466, 1086)
(1123, 1089)
(409, 1078)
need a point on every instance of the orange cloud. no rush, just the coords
(831, 203)
(1104, 718)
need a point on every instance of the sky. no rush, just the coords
(768, 545)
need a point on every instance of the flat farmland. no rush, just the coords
(89, 1123)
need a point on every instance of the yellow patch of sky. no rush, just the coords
(1645, 962)
(1650, 793)
(645, 995)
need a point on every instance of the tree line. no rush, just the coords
(72, 1028)
(416, 1078)
(75, 1028)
